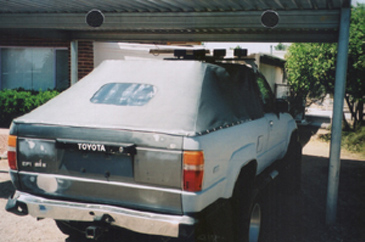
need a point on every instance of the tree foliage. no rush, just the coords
(311, 67)
(281, 46)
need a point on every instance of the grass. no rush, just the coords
(353, 141)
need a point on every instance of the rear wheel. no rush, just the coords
(248, 208)
(254, 226)
(249, 219)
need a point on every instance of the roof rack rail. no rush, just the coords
(204, 55)
(219, 56)
(187, 54)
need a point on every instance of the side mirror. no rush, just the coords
(282, 106)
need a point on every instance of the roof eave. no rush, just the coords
(294, 26)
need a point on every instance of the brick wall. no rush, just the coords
(86, 57)
(85, 49)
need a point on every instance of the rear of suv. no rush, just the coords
(154, 147)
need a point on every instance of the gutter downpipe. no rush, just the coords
(339, 95)
(74, 61)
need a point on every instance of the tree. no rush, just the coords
(311, 68)
(280, 46)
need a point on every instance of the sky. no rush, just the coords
(357, 1)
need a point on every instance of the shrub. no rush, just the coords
(353, 140)
(15, 103)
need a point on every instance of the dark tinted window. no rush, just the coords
(124, 94)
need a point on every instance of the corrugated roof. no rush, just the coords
(173, 20)
(110, 6)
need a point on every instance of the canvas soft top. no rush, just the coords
(191, 97)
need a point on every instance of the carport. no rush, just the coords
(162, 21)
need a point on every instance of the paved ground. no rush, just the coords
(299, 218)
(3, 141)
(315, 147)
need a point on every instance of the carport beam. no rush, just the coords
(74, 61)
(340, 84)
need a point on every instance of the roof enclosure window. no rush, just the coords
(34, 68)
(124, 94)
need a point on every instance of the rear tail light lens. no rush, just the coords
(193, 162)
(12, 152)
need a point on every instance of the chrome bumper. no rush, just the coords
(138, 221)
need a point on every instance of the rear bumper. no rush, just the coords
(143, 222)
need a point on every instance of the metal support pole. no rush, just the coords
(74, 62)
(335, 151)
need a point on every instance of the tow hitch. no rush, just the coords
(95, 231)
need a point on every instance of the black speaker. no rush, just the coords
(270, 19)
(95, 18)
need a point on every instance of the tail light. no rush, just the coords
(193, 162)
(12, 152)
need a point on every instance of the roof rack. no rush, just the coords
(219, 56)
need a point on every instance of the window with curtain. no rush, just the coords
(34, 68)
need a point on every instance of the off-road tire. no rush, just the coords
(246, 202)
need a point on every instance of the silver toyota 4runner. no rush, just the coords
(155, 147)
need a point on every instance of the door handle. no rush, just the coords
(260, 144)
(271, 123)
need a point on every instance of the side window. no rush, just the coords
(267, 95)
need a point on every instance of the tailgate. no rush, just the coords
(130, 169)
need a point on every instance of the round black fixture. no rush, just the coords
(270, 19)
(95, 18)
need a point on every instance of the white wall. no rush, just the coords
(122, 51)
(273, 74)
(129, 51)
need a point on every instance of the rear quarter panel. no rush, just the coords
(226, 151)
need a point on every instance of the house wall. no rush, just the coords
(274, 74)
(126, 51)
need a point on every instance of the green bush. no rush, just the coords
(15, 103)
(353, 141)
